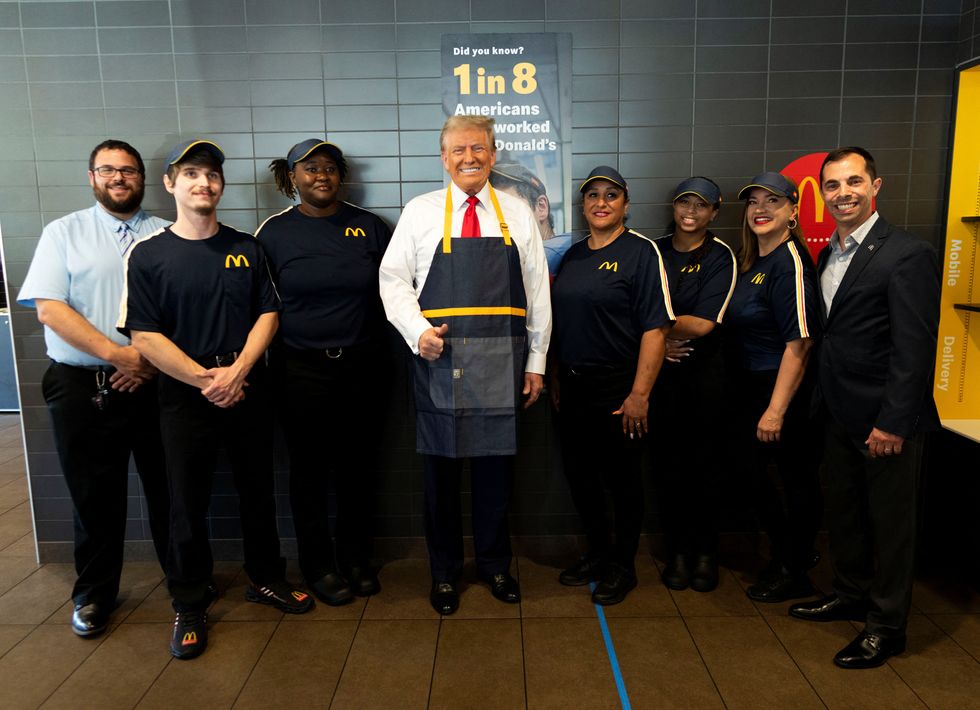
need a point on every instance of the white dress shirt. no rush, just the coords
(419, 232)
(839, 259)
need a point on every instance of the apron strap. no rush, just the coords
(447, 227)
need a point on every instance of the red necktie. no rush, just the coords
(471, 225)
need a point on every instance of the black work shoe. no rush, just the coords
(617, 581)
(332, 589)
(504, 587)
(364, 581)
(281, 595)
(676, 574)
(88, 620)
(444, 598)
(780, 588)
(869, 651)
(831, 608)
(588, 569)
(704, 576)
(190, 634)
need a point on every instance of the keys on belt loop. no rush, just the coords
(101, 398)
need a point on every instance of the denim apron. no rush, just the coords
(466, 401)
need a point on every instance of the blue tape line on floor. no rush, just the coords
(624, 698)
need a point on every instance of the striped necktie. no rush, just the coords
(126, 239)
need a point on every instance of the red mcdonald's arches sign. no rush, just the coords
(816, 223)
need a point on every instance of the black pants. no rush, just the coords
(193, 432)
(94, 448)
(332, 411)
(688, 425)
(492, 480)
(871, 514)
(791, 519)
(595, 452)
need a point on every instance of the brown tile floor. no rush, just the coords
(675, 649)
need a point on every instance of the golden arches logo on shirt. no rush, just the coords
(354, 232)
(236, 260)
(758, 278)
(610, 266)
(691, 269)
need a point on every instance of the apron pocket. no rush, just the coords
(487, 372)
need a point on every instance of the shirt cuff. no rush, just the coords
(417, 327)
(536, 363)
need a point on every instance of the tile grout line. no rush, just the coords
(350, 647)
(520, 618)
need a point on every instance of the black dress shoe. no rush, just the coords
(869, 651)
(444, 598)
(831, 608)
(89, 619)
(704, 576)
(364, 581)
(588, 569)
(780, 587)
(504, 587)
(676, 574)
(617, 581)
(332, 589)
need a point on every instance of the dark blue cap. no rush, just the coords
(705, 189)
(180, 150)
(302, 151)
(604, 172)
(775, 183)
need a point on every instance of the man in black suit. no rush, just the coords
(880, 288)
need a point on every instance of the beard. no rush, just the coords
(122, 206)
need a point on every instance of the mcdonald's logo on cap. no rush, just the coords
(238, 260)
(354, 232)
(610, 266)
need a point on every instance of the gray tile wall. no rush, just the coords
(661, 88)
(969, 46)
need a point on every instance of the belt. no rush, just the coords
(217, 360)
(346, 352)
(587, 370)
(108, 369)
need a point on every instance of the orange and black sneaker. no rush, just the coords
(281, 595)
(190, 635)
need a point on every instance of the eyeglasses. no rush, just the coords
(108, 171)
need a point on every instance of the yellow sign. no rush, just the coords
(354, 232)
(613, 266)
(238, 260)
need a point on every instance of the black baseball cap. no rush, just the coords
(775, 183)
(179, 151)
(302, 151)
(518, 173)
(604, 172)
(702, 187)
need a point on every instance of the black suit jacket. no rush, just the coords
(878, 351)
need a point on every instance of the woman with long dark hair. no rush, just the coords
(774, 321)
(329, 363)
(688, 411)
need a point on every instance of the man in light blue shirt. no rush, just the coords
(100, 392)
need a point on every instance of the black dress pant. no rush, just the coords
(871, 515)
(332, 411)
(688, 424)
(791, 519)
(596, 453)
(492, 480)
(193, 432)
(94, 446)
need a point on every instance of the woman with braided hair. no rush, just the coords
(701, 272)
(329, 359)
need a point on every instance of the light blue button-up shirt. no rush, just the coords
(79, 261)
(839, 259)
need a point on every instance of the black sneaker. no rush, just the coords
(781, 588)
(617, 581)
(281, 595)
(588, 569)
(190, 635)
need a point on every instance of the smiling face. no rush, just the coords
(119, 194)
(196, 188)
(692, 214)
(768, 215)
(468, 155)
(317, 180)
(604, 206)
(849, 191)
